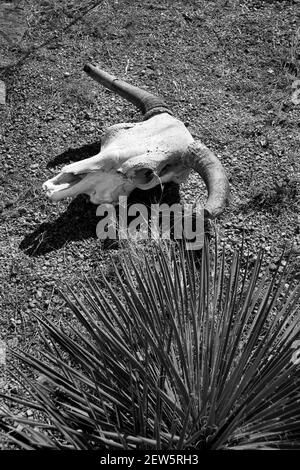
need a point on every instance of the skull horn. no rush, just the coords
(203, 161)
(148, 103)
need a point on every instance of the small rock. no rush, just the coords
(263, 141)
(39, 294)
(48, 118)
(13, 343)
(22, 210)
(88, 115)
(66, 74)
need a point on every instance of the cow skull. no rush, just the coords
(141, 155)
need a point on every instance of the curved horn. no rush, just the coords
(209, 167)
(148, 103)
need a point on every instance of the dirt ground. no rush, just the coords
(228, 69)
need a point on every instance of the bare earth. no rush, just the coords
(226, 68)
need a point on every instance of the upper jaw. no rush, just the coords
(63, 185)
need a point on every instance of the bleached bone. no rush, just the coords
(141, 155)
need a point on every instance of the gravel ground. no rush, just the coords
(226, 68)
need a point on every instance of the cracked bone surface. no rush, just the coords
(141, 155)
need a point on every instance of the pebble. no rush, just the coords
(22, 210)
(13, 343)
(263, 142)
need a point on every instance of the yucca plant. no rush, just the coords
(180, 353)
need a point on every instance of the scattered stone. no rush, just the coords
(88, 115)
(19, 428)
(264, 141)
(12, 22)
(22, 210)
(13, 343)
(39, 294)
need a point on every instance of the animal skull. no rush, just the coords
(141, 155)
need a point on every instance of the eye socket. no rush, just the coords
(143, 176)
